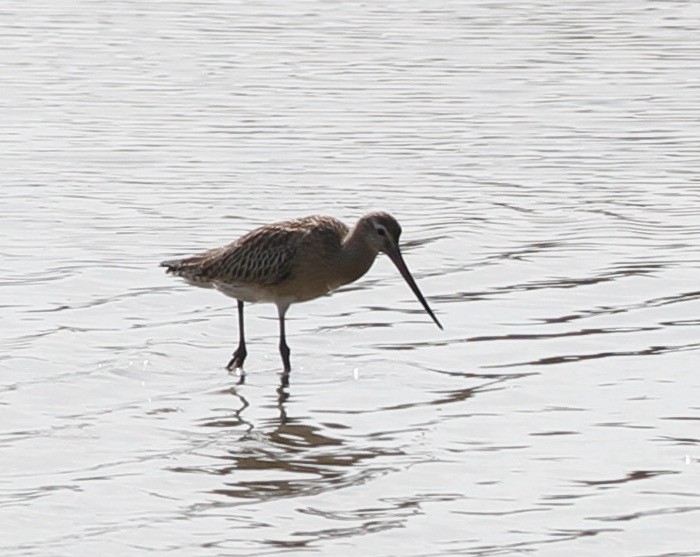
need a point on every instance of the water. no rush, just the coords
(542, 158)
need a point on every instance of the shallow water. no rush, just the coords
(542, 159)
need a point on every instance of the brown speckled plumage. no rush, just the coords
(264, 257)
(294, 261)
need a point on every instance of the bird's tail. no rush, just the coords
(193, 269)
(172, 265)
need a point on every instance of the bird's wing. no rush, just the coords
(263, 257)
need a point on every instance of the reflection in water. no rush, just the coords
(284, 446)
(517, 336)
(556, 537)
(651, 303)
(235, 419)
(653, 512)
(650, 351)
(632, 476)
(458, 395)
(602, 277)
(317, 460)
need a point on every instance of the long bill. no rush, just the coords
(395, 255)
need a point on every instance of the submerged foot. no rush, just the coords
(237, 360)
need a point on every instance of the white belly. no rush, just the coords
(252, 294)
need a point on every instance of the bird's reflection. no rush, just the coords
(284, 455)
(284, 379)
(282, 397)
(287, 455)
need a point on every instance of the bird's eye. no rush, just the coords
(381, 231)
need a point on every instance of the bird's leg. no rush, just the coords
(284, 349)
(240, 354)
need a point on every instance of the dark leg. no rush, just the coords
(240, 354)
(284, 349)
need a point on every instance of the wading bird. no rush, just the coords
(294, 261)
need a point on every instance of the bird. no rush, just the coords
(291, 262)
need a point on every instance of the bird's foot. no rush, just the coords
(236, 368)
(237, 360)
(234, 364)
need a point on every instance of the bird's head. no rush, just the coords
(382, 232)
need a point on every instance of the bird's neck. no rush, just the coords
(357, 256)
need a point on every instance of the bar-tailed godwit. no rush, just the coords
(294, 261)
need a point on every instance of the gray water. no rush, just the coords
(542, 158)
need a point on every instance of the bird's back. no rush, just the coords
(264, 258)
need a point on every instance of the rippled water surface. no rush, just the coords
(543, 160)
